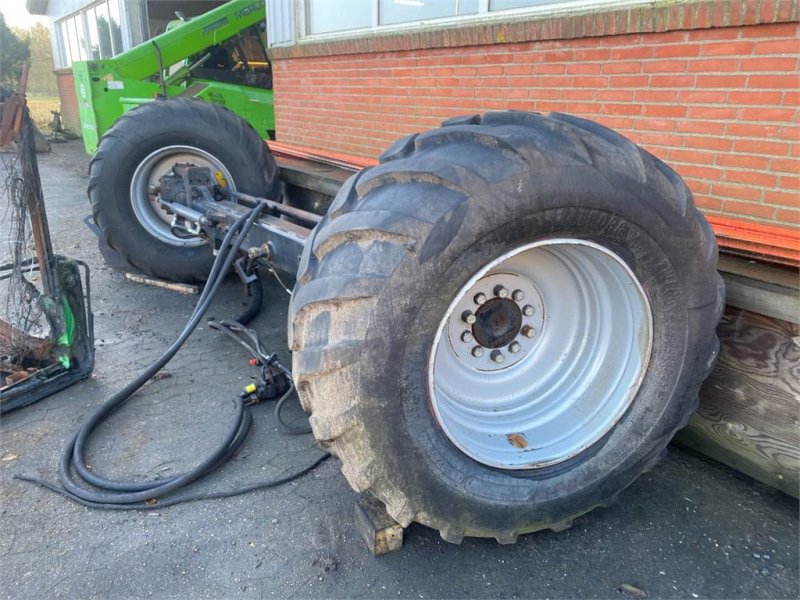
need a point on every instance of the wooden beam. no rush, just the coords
(381, 532)
(749, 413)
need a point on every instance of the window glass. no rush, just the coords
(103, 31)
(115, 27)
(73, 40)
(93, 47)
(403, 11)
(324, 16)
(507, 4)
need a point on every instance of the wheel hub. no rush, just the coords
(145, 180)
(490, 328)
(497, 323)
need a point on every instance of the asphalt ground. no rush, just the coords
(691, 528)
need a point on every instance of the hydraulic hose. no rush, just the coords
(73, 473)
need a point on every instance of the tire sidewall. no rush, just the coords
(127, 153)
(483, 498)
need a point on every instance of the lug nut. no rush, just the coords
(518, 295)
(467, 337)
(480, 298)
(528, 331)
(527, 310)
(514, 347)
(468, 317)
(477, 351)
(497, 356)
(500, 291)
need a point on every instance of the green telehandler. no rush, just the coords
(218, 57)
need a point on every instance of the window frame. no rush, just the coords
(63, 52)
(483, 16)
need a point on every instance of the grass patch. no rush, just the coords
(40, 107)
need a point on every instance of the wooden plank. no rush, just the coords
(182, 288)
(764, 289)
(381, 532)
(749, 413)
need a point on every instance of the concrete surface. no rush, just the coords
(688, 529)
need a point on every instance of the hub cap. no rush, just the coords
(152, 216)
(540, 354)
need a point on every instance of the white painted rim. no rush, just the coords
(571, 378)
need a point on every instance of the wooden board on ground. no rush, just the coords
(749, 414)
(381, 533)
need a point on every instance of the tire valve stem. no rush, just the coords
(528, 331)
(467, 337)
(477, 351)
(518, 295)
(497, 356)
(514, 347)
(468, 317)
(527, 310)
(500, 291)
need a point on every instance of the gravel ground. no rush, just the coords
(689, 529)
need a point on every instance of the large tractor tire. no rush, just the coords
(502, 325)
(145, 144)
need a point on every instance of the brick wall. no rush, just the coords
(69, 101)
(719, 104)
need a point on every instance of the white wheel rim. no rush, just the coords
(575, 371)
(150, 214)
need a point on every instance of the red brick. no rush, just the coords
(740, 192)
(622, 67)
(774, 81)
(738, 48)
(789, 46)
(787, 198)
(790, 183)
(664, 110)
(688, 155)
(750, 177)
(786, 165)
(707, 204)
(752, 130)
(754, 97)
(714, 65)
(770, 63)
(788, 216)
(770, 30)
(750, 209)
(702, 127)
(745, 161)
(665, 66)
(711, 112)
(767, 114)
(676, 50)
(775, 148)
(721, 81)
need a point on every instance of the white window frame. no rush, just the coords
(483, 16)
(62, 53)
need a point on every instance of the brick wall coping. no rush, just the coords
(660, 16)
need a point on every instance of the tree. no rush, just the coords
(14, 52)
(41, 79)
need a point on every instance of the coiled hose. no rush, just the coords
(88, 489)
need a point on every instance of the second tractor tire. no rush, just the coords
(194, 127)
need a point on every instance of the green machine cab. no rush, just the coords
(217, 57)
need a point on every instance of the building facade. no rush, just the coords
(712, 87)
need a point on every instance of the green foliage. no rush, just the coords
(41, 80)
(14, 52)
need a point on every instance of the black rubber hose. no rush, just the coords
(256, 299)
(118, 494)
